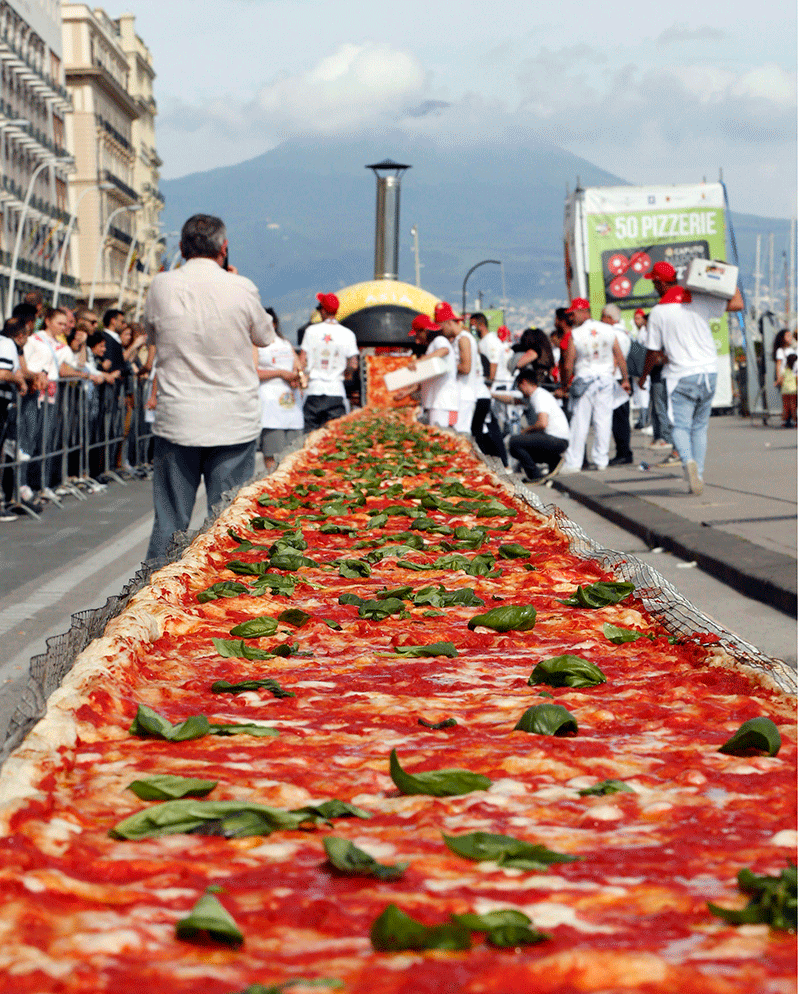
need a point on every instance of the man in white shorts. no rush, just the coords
(329, 355)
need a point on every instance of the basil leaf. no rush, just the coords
(209, 917)
(335, 808)
(394, 931)
(376, 610)
(399, 593)
(267, 683)
(510, 936)
(246, 569)
(255, 628)
(347, 858)
(419, 651)
(290, 561)
(566, 671)
(492, 919)
(619, 635)
(238, 649)
(352, 569)
(225, 588)
(348, 598)
(294, 616)
(505, 850)
(378, 521)
(244, 728)
(509, 617)
(188, 815)
(757, 733)
(332, 624)
(149, 723)
(513, 551)
(163, 787)
(773, 901)
(436, 783)
(263, 523)
(279, 585)
(599, 594)
(547, 719)
(433, 614)
(605, 787)
(437, 726)
(329, 528)
(431, 525)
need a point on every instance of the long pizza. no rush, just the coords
(380, 731)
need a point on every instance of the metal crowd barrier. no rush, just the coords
(66, 440)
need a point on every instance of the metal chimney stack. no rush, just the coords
(387, 218)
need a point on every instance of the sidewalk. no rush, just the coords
(742, 529)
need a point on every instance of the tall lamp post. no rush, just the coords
(120, 210)
(47, 164)
(70, 228)
(486, 262)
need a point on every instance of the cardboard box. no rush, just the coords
(717, 279)
(426, 369)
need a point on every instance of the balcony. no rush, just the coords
(120, 235)
(53, 90)
(29, 136)
(129, 192)
(14, 194)
(109, 129)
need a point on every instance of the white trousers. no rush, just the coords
(440, 418)
(466, 408)
(595, 406)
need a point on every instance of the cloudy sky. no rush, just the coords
(655, 93)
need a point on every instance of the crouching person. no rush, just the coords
(547, 437)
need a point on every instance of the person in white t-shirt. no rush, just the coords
(593, 354)
(278, 369)
(547, 437)
(328, 355)
(440, 394)
(621, 418)
(679, 327)
(783, 346)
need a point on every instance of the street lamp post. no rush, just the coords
(70, 228)
(120, 210)
(48, 163)
(486, 262)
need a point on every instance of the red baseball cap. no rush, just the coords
(444, 312)
(423, 323)
(329, 301)
(662, 271)
(638, 311)
(503, 333)
(579, 304)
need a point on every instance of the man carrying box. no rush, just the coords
(679, 327)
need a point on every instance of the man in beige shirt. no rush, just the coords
(203, 320)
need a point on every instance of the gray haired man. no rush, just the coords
(203, 320)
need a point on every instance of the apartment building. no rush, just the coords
(34, 163)
(109, 75)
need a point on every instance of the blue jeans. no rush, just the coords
(662, 428)
(691, 409)
(177, 471)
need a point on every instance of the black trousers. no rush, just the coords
(532, 447)
(318, 410)
(486, 431)
(621, 429)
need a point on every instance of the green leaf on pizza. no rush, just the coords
(352, 569)
(149, 723)
(164, 787)
(209, 918)
(255, 628)
(600, 594)
(619, 636)
(290, 561)
(239, 649)
(505, 928)
(230, 819)
(377, 520)
(328, 528)
(773, 900)
(436, 783)
(294, 616)
(348, 858)
(513, 550)
(547, 719)
(333, 625)
(566, 671)
(282, 586)
(504, 850)
(605, 787)
(757, 734)
(394, 930)
(420, 651)
(437, 726)
(328, 810)
(225, 588)
(265, 683)
(509, 617)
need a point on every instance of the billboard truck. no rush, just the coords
(614, 234)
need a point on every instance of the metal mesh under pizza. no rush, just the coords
(660, 597)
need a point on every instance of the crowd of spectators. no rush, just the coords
(68, 398)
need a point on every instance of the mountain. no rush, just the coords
(301, 217)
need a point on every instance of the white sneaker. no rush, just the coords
(47, 494)
(506, 471)
(26, 493)
(693, 477)
(568, 470)
(659, 443)
(647, 430)
(12, 452)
